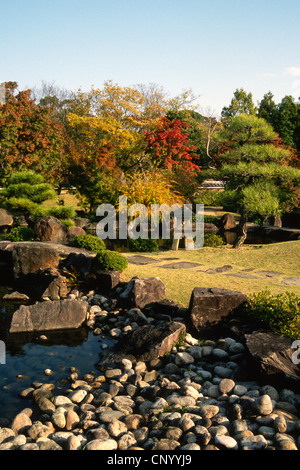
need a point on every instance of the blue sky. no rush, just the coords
(210, 46)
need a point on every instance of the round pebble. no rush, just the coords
(193, 398)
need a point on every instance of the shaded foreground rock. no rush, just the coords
(6, 219)
(208, 306)
(272, 357)
(53, 315)
(140, 292)
(181, 402)
(151, 341)
(50, 229)
(227, 222)
(146, 343)
(20, 259)
(198, 396)
(45, 283)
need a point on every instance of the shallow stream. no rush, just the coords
(27, 357)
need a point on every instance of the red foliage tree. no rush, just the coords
(168, 146)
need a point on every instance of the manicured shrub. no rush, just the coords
(281, 312)
(143, 245)
(110, 261)
(213, 240)
(25, 194)
(208, 198)
(212, 219)
(62, 212)
(88, 242)
(20, 234)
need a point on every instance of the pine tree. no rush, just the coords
(255, 167)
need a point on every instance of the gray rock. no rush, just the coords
(140, 292)
(226, 385)
(23, 258)
(21, 423)
(226, 442)
(102, 444)
(50, 229)
(257, 442)
(263, 405)
(43, 316)
(271, 356)
(6, 433)
(208, 306)
(126, 441)
(148, 342)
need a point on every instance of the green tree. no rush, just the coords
(287, 120)
(268, 109)
(241, 103)
(24, 194)
(284, 118)
(255, 169)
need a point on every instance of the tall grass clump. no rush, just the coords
(281, 312)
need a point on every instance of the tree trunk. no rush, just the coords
(241, 231)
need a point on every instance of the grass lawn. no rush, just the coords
(67, 197)
(283, 258)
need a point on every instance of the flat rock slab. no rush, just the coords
(218, 270)
(270, 273)
(181, 265)
(244, 275)
(62, 249)
(146, 343)
(141, 260)
(44, 316)
(291, 281)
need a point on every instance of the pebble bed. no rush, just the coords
(194, 398)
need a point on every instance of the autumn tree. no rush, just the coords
(255, 168)
(168, 146)
(29, 139)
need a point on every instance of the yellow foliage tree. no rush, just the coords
(150, 188)
(118, 117)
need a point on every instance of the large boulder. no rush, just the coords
(21, 258)
(45, 283)
(272, 358)
(44, 316)
(6, 220)
(209, 306)
(106, 281)
(141, 292)
(81, 222)
(50, 229)
(74, 232)
(78, 262)
(146, 343)
(227, 222)
(210, 228)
